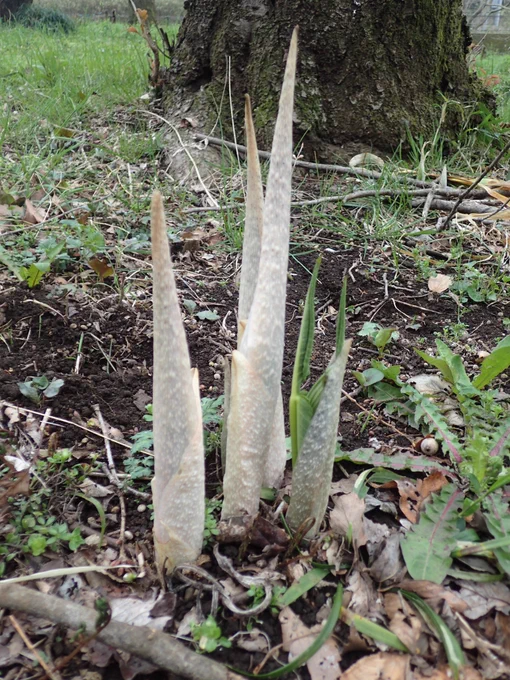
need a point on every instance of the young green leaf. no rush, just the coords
(428, 545)
(340, 322)
(493, 365)
(373, 630)
(452, 368)
(497, 517)
(300, 412)
(33, 274)
(53, 388)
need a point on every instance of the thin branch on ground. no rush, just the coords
(343, 169)
(158, 648)
(215, 586)
(472, 186)
(465, 207)
(48, 671)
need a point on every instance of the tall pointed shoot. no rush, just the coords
(178, 486)
(257, 363)
(275, 456)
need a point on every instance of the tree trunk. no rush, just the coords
(149, 5)
(10, 7)
(370, 71)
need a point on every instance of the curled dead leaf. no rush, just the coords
(101, 267)
(32, 214)
(439, 283)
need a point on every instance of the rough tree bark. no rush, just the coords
(10, 7)
(369, 70)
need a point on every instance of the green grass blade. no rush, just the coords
(100, 512)
(306, 333)
(340, 321)
(479, 577)
(374, 631)
(453, 650)
(325, 633)
(305, 583)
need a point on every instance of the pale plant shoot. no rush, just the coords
(257, 363)
(178, 486)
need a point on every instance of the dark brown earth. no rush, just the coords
(43, 332)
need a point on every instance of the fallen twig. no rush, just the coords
(343, 169)
(40, 660)
(156, 647)
(343, 198)
(471, 187)
(464, 207)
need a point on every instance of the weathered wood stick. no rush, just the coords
(154, 646)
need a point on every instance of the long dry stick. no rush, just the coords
(156, 647)
(26, 640)
(470, 188)
(343, 169)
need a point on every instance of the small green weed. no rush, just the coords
(211, 415)
(453, 333)
(484, 417)
(32, 526)
(476, 286)
(478, 454)
(39, 388)
(378, 336)
(139, 466)
(208, 635)
(204, 315)
(212, 506)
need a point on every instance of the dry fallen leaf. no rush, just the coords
(101, 267)
(439, 283)
(381, 666)
(364, 599)
(346, 518)
(31, 214)
(325, 664)
(405, 624)
(434, 482)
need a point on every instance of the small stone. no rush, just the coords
(141, 508)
